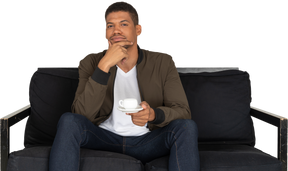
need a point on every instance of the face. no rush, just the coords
(120, 27)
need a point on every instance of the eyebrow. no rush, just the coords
(120, 22)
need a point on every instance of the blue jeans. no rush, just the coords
(179, 139)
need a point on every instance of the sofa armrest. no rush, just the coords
(6, 122)
(281, 123)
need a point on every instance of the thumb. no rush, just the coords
(144, 106)
(110, 44)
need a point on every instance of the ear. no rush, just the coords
(140, 30)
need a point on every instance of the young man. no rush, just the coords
(163, 127)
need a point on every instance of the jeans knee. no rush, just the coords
(186, 125)
(191, 126)
(67, 119)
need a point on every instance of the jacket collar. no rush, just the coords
(140, 55)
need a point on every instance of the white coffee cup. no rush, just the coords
(129, 103)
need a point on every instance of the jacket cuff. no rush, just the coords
(159, 116)
(100, 76)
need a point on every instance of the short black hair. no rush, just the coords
(123, 6)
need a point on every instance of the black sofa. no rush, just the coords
(219, 100)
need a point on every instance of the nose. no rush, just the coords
(117, 30)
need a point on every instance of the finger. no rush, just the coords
(139, 122)
(124, 49)
(125, 43)
(110, 44)
(142, 115)
(144, 102)
(125, 54)
(132, 114)
(144, 105)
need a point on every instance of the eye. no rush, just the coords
(109, 26)
(124, 24)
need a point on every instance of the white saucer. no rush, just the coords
(137, 109)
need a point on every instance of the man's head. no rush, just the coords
(122, 23)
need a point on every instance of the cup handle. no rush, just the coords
(120, 103)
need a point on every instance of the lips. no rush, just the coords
(117, 38)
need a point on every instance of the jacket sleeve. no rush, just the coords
(175, 101)
(91, 89)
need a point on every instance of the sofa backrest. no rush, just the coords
(51, 93)
(219, 103)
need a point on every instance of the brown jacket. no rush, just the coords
(158, 81)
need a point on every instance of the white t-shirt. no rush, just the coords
(125, 86)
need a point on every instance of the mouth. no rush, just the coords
(117, 39)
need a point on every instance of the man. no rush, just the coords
(125, 71)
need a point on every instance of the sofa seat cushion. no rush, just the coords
(36, 158)
(226, 158)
